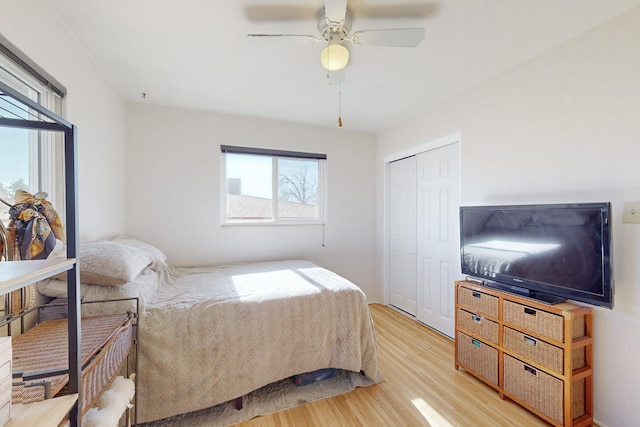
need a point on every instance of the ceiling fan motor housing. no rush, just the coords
(334, 31)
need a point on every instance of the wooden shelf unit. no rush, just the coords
(538, 355)
(15, 275)
(47, 413)
(18, 274)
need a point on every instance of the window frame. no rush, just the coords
(274, 155)
(45, 157)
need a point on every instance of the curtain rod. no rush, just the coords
(271, 152)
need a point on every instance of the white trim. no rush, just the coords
(428, 146)
(412, 151)
(21, 60)
(275, 173)
(323, 193)
(223, 188)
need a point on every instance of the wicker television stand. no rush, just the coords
(538, 355)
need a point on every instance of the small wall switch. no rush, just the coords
(631, 214)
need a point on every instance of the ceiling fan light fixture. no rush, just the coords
(334, 57)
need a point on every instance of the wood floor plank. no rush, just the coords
(421, 387)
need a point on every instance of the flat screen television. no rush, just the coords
(547, 252)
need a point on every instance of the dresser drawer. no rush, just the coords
(478, 301)
(541, 390)
(543, 353)
(5, 413)
(478, 325)
(478, 357)
(5, 391)
(5, 355)
(534, 387)
(534, 320)
(5, 371)
(533, 349)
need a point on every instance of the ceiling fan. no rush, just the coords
(334, 26)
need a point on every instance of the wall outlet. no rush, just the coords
(631, 213)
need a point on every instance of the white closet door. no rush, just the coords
(438, 199)
(402, 235)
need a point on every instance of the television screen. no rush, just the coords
(549, 252)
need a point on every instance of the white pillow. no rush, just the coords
(111, 264)
(160, 258)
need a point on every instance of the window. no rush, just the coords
(272, 186)
(28, 160)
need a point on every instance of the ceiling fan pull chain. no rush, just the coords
(340, 107)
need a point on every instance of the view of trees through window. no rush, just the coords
(15, 159)
(252, 180)
(7, 192)
(14, 162)
(298, 188)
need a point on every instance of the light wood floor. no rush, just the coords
(421, 388)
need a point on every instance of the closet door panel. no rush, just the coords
(438, 201)
(402, 231)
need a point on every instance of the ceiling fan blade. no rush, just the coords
(280, 39)
(397, 37)
(280, 13)
(396, 11)
(335, 12)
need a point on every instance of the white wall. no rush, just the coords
(92, 105)
(173, 191)
(563, 127)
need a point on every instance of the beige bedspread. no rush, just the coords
(209, 335)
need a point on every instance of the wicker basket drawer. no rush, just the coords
(534, 349)
(540, 390)
(541, 352)
(538, 321)
(478, 357)
(478, 301)
(478, 325)
(534, 387)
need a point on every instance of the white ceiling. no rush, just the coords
(195, 54)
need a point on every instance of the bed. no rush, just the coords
(210, 335)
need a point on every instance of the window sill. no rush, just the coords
(269, 223)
